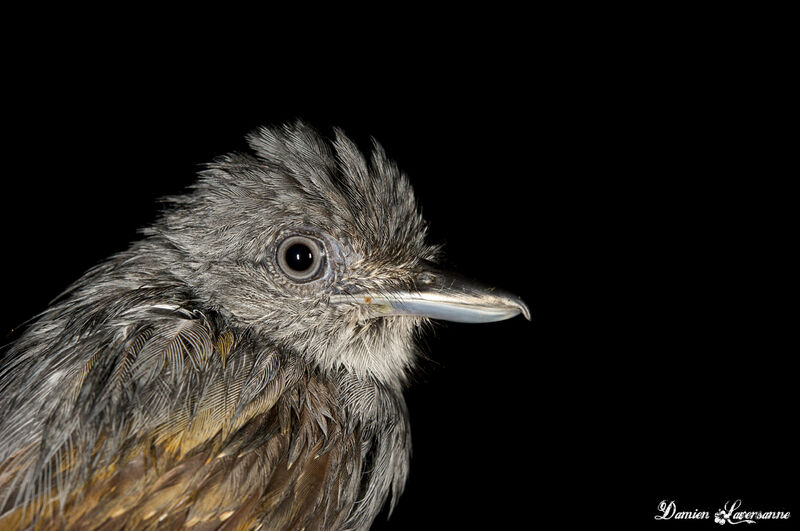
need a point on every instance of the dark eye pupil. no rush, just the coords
(299, 257)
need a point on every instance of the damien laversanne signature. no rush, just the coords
(729, 514)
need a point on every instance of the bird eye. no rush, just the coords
(300, 258)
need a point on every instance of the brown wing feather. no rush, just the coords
(215, 462)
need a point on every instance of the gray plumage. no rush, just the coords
(188, 382)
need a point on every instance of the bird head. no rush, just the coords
(321, 250)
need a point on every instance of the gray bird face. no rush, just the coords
(323, 252)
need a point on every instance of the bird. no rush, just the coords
(242, 364)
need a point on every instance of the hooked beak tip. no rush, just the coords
(523, 309)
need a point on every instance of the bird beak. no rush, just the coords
(441, 295)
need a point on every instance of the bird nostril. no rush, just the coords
(426, 278)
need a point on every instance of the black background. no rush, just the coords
(626, 179)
